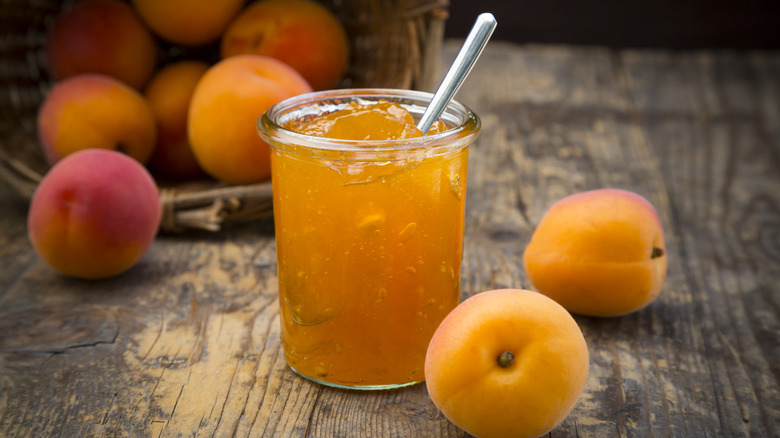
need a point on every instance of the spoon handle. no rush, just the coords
(460, 68)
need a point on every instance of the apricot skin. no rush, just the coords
(169, 94)
(301, 33)
(93, 111)
(223, 114)
(530, 396)
(94, 214)
(188, 22)
(104, 37)
(599, 253)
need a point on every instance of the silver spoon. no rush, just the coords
(460, 68)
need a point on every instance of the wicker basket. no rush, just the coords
(395, 44)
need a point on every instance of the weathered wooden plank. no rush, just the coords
(722, 174)
(540, 146)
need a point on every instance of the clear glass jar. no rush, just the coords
(369, 238)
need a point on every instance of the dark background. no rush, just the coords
(683, 24)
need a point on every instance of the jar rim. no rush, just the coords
(270, 126)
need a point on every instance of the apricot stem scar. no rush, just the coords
(505, 359)
(657, 252)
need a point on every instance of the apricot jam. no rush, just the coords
(369, 241)
(361, 121)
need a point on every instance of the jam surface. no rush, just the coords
(363, 121)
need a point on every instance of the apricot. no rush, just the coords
(101, 36)
(301, 33)
(169, 94)
(223, 113)
(188, 22)
(94, 214)
(92, 111)
(507, 362)
(599, 253)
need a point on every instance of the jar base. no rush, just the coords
(355, 386)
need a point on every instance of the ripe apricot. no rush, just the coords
(188, 22)
(94, 214)
(301, 33)
(169, 94)
(223, 113)
(92, 111)
(507, 362)
(101, 36)
(599, 252)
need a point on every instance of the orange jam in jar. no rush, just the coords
(381, 120)
(368, 214)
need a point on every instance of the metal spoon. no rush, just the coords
(460, 68)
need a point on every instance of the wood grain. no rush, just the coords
(187, 343)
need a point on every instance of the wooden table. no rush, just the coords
(187, 342)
